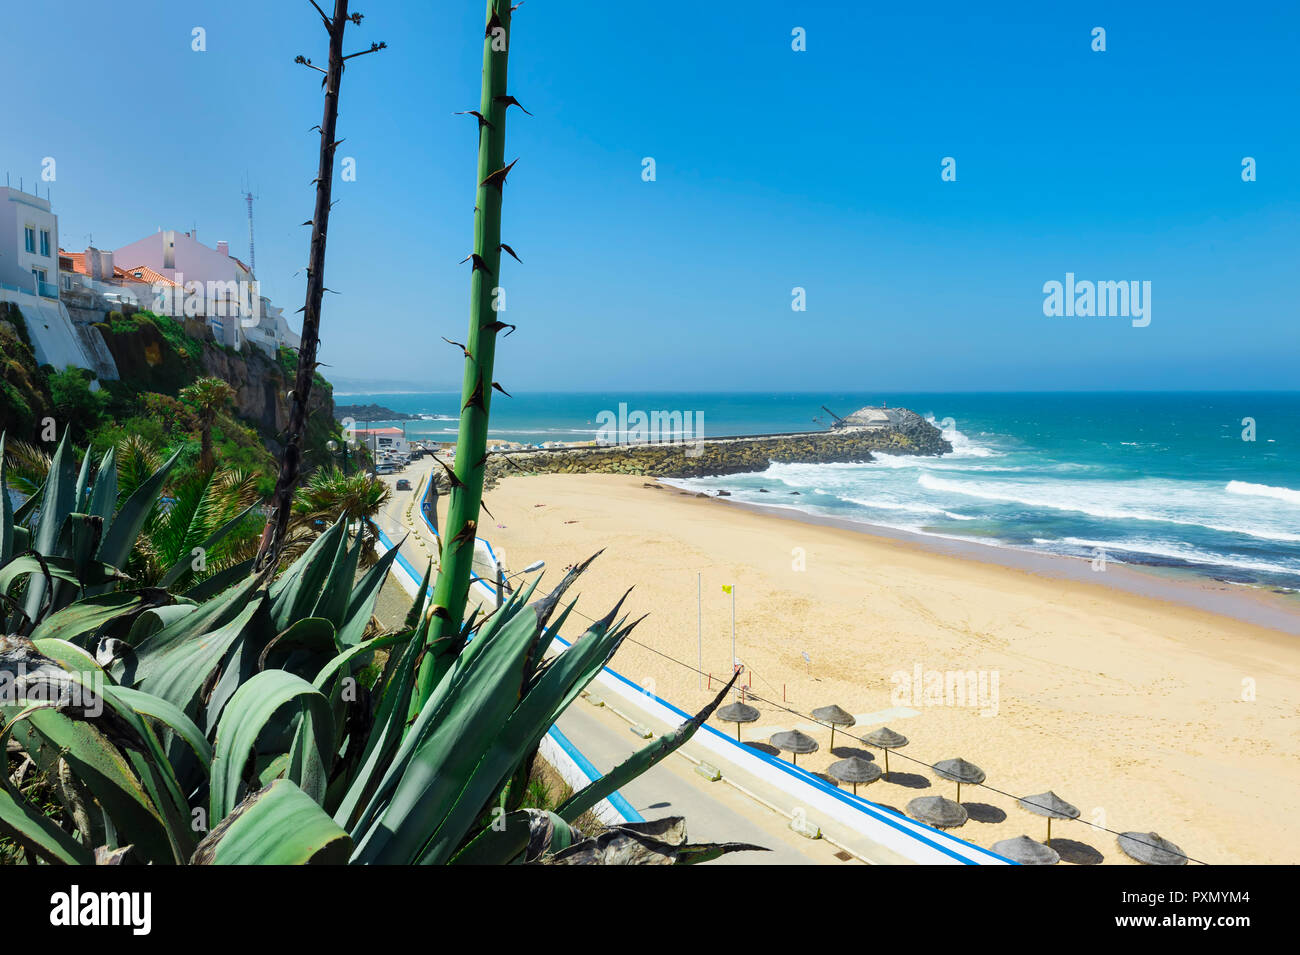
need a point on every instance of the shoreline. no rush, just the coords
(1114, 698)
(1259, 606)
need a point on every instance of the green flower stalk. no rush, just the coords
(452, 590)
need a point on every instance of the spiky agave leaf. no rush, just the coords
(277, 825)
(654, 842)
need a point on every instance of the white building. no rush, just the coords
(29, 278)
(29, 244)
(384, 442)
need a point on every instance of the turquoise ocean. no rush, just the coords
(1165, 480)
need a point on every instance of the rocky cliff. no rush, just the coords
(162, 355)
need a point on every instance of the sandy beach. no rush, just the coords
(1146, 713)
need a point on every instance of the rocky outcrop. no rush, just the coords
(908, 434)
(152, 356)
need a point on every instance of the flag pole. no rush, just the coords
(699, 627)
(733, 628)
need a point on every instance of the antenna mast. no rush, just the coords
(252, 257)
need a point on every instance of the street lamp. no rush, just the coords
(336, 448)
(502, 578)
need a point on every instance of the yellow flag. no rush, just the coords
(726, 588)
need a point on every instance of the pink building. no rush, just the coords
(216, 285)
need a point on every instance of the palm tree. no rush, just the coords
(28, 464)
(202, 527)
(209, 396)
(329, 496)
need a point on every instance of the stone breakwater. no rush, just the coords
(906, 433)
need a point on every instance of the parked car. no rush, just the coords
(403, 484)
(383, 469)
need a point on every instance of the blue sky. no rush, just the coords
(775, 169)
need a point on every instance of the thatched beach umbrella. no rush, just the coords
(855, 770)
(794, 743)
(738, 713)
(1026, 851)
(1050, 805)
(937, 811)
(1150, 849)
(886, 739)
(836, 716)
(959, 771)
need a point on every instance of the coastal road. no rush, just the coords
(714, 811)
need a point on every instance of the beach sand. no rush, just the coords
(1130, 707)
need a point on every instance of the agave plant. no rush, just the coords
(247, 711)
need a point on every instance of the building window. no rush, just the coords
(45, 243)
(29, 238)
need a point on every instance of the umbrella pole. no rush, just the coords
(1049, 832)
(832, 738)
(737, 732)
(855, 789)
(959, 792)
(886, 764)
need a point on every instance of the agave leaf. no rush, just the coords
(386, 731)
(153, 619)
(362, 604)
(155, 707)
(278, 825)
(77, 541)
(655, 842)
(28, 507)
(181, 667)
(60, 568)
(208, 617)
(520, 836)
(353, 658)
(466, 712)
(249, 712)
(56, 505)
(314, 635)
(36, 831)
(298, 588)
(332, 604)
(72, 658)
(79, 497)
(209, 586)
(421, 596)
(557, 687)
(103, 496)
(132, 515)
(33, 829)
(101, 767)
(640, 761)
(6, 509)
(120, 723)
(81, 620)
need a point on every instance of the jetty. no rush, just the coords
(850, 439)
